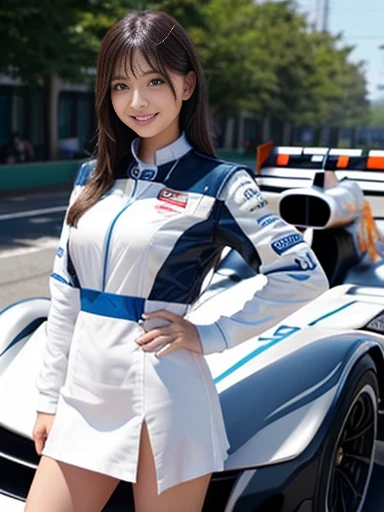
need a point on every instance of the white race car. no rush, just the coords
(301, 402)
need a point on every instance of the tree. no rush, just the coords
(52, 40)
(238, 71)
(337, 87)
(260, 58)
(377, 115)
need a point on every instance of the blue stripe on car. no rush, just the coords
(32, 326)
(277, 337)
(281, 333)
(314, 322)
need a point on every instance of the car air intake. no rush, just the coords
(305, 210)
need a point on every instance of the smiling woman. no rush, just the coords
(125, 392)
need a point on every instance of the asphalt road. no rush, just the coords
(29, 229)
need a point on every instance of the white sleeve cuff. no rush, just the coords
(46, 404)
(212, 338)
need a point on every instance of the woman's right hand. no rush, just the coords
(41, 430)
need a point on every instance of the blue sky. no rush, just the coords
(362, 24)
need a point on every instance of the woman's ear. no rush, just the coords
(189, 85)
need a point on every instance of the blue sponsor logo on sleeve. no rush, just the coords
(60, 252)
(285, 243)
(265, 220)
(254, 195)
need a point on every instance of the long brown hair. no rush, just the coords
(166, 47)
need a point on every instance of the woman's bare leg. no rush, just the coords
(60, 487)
(188, 496)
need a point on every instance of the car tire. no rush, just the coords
(347, 457)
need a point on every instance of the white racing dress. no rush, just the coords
(147, 245)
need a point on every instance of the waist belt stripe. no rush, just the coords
(111, 305)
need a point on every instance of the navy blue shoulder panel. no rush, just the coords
(202, 174)
(182, 274)
(85, 171)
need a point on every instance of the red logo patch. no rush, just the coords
(165, 208)
(173, 197)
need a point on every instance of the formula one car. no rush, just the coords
(301, 402)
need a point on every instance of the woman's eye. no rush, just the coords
(120, 87)
(156, 81)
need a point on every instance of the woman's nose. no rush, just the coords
(138, 100)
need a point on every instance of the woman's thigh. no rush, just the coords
(188, 496)
(60, 487)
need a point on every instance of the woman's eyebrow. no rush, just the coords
(145, 73)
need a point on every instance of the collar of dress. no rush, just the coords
(174, 151)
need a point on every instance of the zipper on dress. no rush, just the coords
(110, 230)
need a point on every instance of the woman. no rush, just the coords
(124, 389)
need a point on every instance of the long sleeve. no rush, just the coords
(64, 308)
(270, 246)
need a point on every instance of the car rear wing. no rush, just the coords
(321, 159)
(283, 168)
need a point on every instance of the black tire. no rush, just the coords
(347, 458)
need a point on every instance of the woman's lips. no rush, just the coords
(144, 120)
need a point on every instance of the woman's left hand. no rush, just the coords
(179, 333)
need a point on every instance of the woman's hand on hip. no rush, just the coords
(179, 333)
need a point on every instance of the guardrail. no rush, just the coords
(52, 174)
(37, 175)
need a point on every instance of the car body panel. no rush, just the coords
(9, 504)
(18, 384)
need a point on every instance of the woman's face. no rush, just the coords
(146, 102)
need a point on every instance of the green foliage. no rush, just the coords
(336, 87)
(377, 115)
(257, 57)
(55, 37)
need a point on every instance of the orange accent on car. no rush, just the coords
(375, 162)
(263, 151)
(282, 160)
(342, 162)
(369, 236)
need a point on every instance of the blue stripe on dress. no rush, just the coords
(111, 305)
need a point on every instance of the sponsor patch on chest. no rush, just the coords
(173, 197)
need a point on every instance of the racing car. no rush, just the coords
(301, 402)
